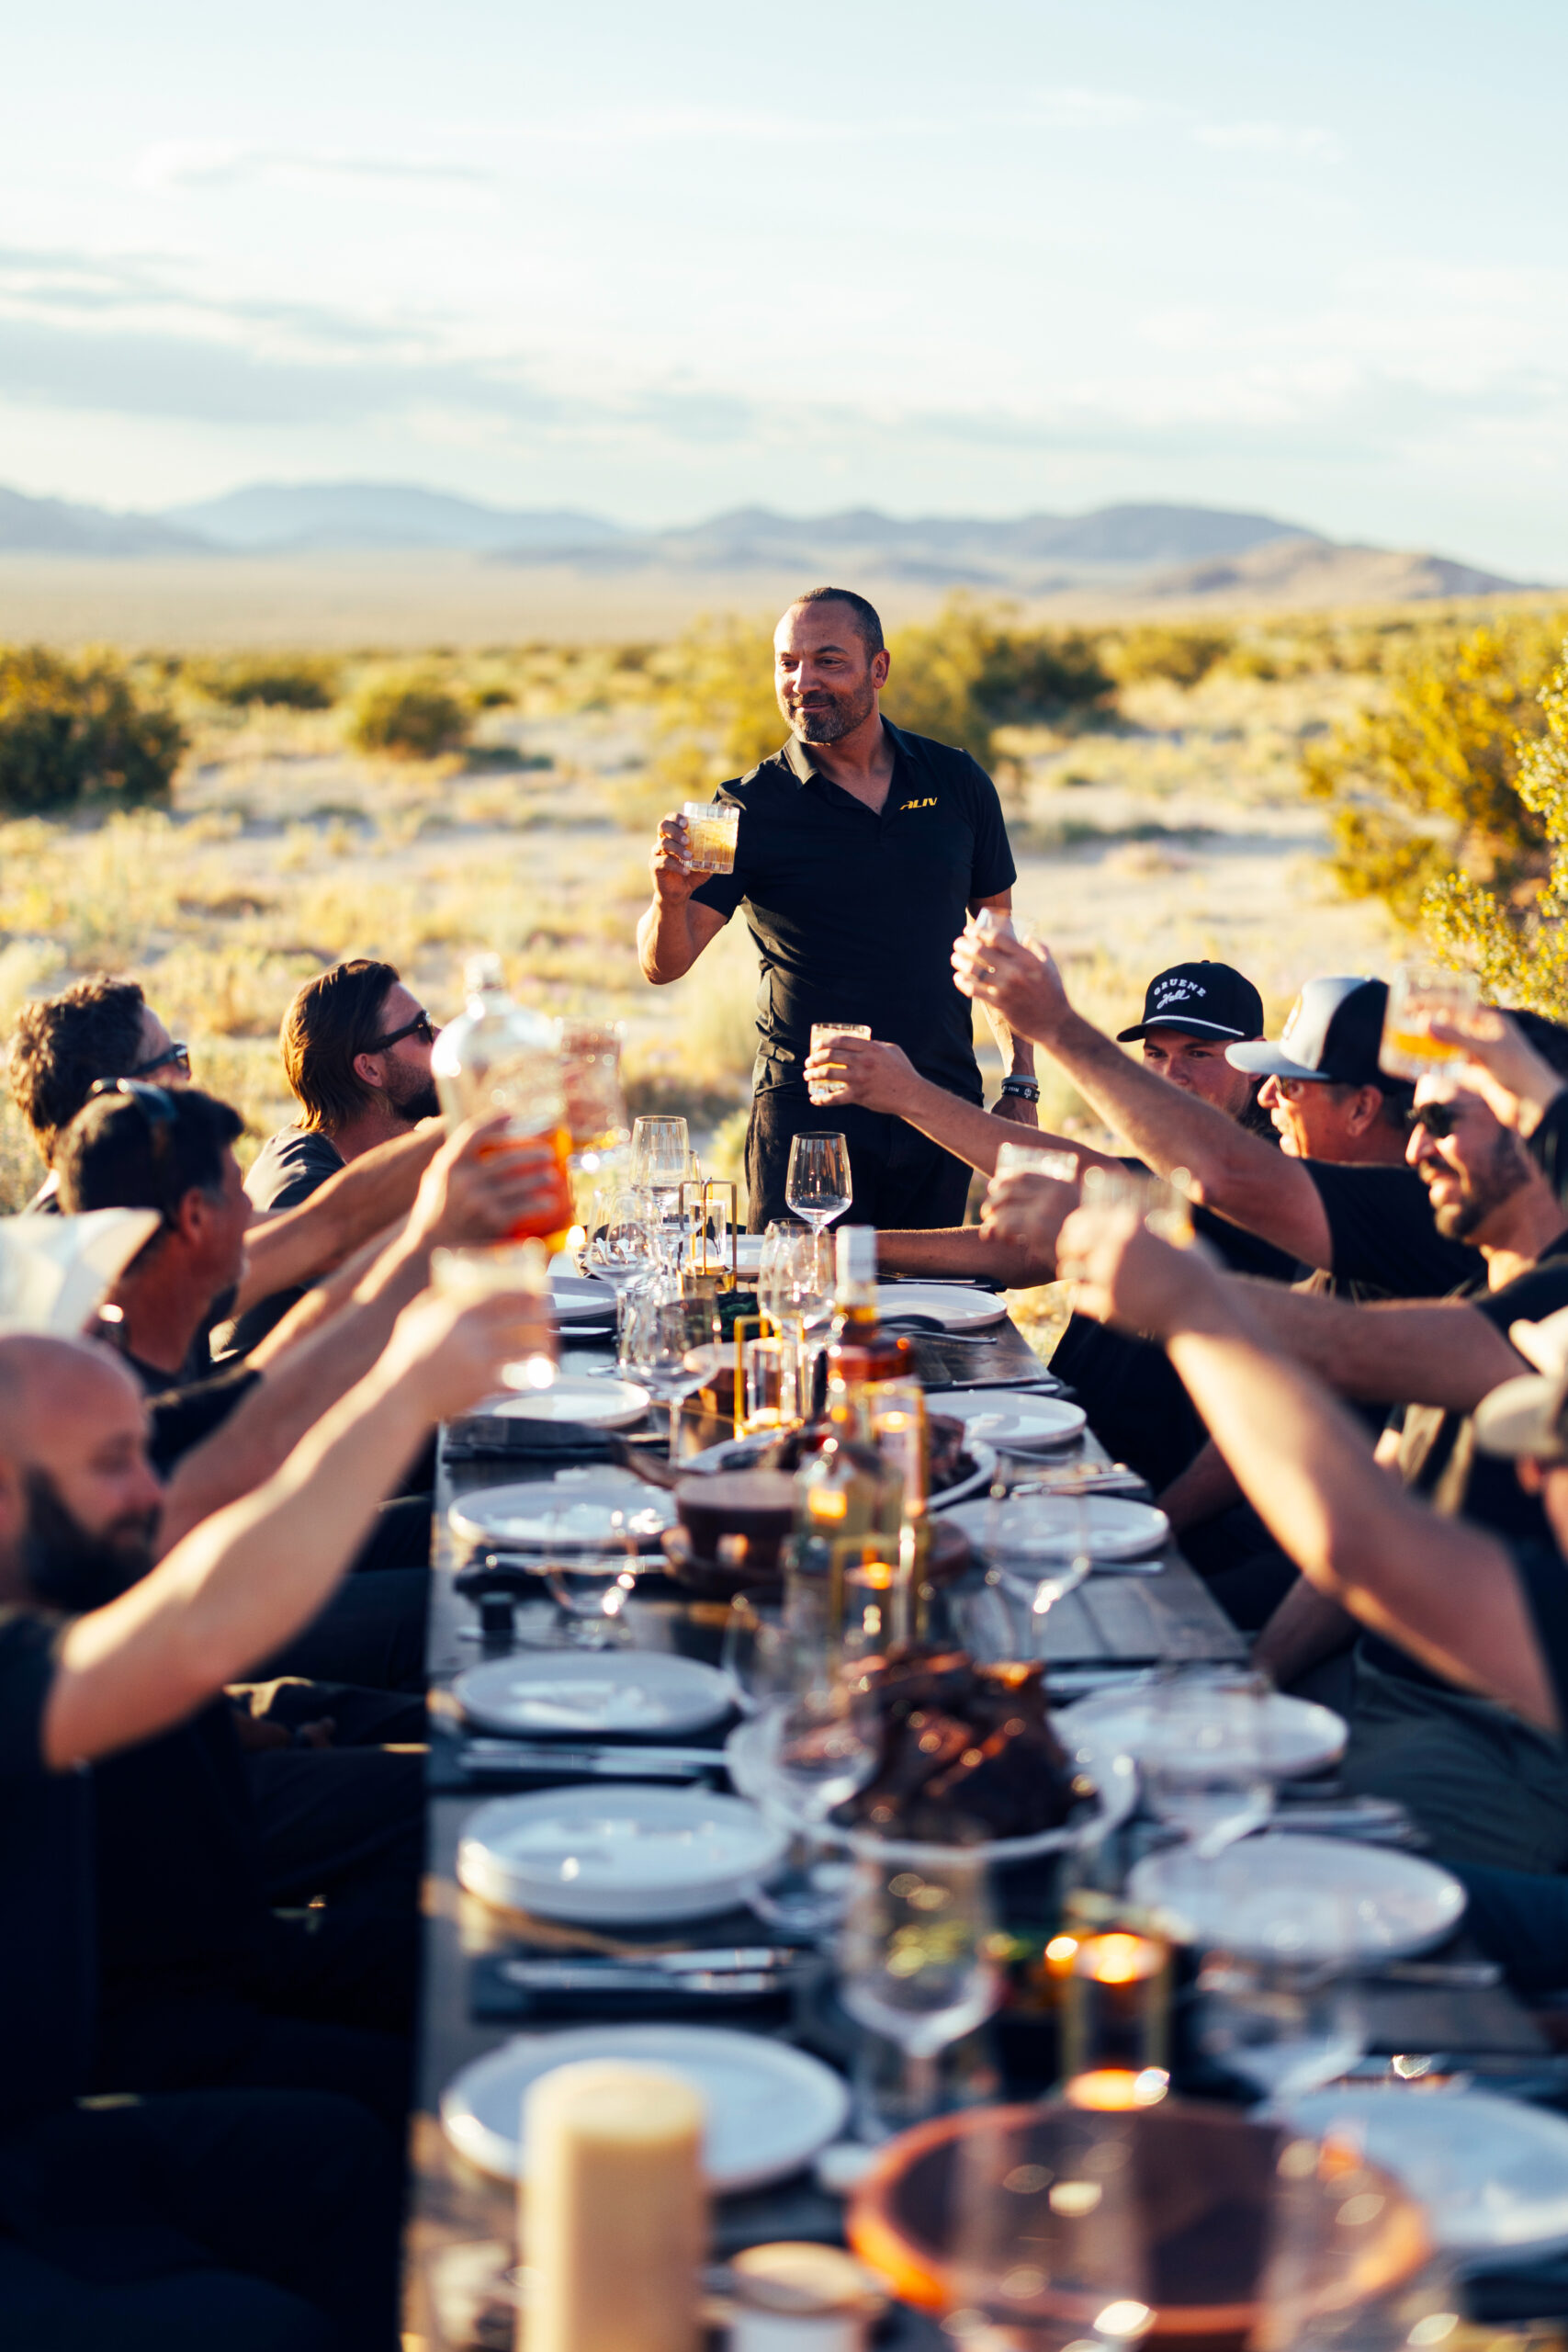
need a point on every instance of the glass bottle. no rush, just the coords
(859, 1350)
(498, 1056)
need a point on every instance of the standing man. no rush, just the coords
(861, 850)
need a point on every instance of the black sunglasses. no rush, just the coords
(173, 1056)
(1437, 1118)
(421, 1026)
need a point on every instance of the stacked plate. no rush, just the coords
(952, 1305)
(1294, 1734)
(576, 1402)
(575, 1513)
(579, 1301)
(618, 1856)
(1009, 1425)
(644, 1694)
(769, 2108)
(1044, 1526)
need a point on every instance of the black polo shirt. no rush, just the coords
(855, 914)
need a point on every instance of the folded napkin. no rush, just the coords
(56, 1271)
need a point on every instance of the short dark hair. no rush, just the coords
(867, 620)
(62, 1045)
(334, 1017)
(117, 1153)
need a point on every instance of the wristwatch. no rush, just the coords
(1026, 1088)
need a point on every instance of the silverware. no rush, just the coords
(733, 1960)
(593, 1763)
(580, 1976)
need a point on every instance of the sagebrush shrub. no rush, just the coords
(74, 731)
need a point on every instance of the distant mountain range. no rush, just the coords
(1147, 551)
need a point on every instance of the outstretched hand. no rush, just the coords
(1023, 983)
(878, 1077)
(1515, 1082)
(1123, 1273)
(1028, 1208)
(452, 1345)
(473, 1193)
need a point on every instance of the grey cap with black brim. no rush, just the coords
(1332, 1035)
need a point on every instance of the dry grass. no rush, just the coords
(1180, 832)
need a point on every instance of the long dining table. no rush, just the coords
(460, 2242)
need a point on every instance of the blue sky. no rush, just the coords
(937, 258)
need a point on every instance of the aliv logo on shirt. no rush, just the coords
(918, 804)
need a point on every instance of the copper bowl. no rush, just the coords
(1039, 2217)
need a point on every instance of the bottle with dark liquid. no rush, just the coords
(860, 1351)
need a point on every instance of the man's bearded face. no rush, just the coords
(75, 1568)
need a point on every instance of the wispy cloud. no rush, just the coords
(1310, 141)
(216, 162)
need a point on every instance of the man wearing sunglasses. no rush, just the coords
(355, 1046)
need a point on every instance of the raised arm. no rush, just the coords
(465, 1199)
(1439, 1588)
(674, 930)
(1393, 1351)
(245, 1581)
(1241, 1176)
(298, 1245)
(882, 1078)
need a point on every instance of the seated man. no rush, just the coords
(1336, 1196)
(1483, 1617)
(102, 1028)
(253, 2219)
(355, 1046)
(1191, 1014)
(172, 1153)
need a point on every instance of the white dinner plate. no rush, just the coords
(1044, 1526)
(651, 1693)
(973, 1481)
(1491, 2172)
(1295, 1735)
(1265, 1897)
(594, 1404)
(769, 2108)
(571, 1513)
(614, 1853)
(577, 1300)
(1035, 1423)
(949, 1304)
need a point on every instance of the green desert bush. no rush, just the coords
(76, 732)
(1517, 934)
(293, 680)
(413, 718)
(1428, 783)
(1185, 656)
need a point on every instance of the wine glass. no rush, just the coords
(622, 1245)
(814, 1748)
(816, 1183)
(1039, 1547)
(775, 1270)
(662, 1337)
(591, 1586)
(915, 1962)
(1204, 1761)
(758, 1657)
(1287, 2018)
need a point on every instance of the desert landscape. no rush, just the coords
(1169, 822)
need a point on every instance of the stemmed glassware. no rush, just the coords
(814, 1748)
(915, 1962)
(1205, 1764)
(663, 1346)
(817, 1182)
(1287, 2018)
(660, 1164)
(1039, 1548)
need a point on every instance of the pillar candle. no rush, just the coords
(612, 2217)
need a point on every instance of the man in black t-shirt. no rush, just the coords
(861, 850)
(1336, 1196)
(252, 2221)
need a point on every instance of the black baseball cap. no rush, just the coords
(1204, 999)
(1333, 1033)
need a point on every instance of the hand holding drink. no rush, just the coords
(1418, 995)
(820, 1086)
(711, 826)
